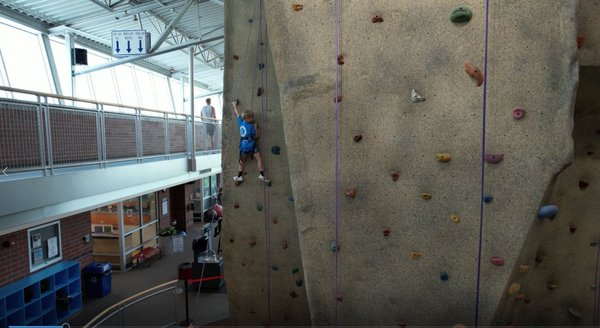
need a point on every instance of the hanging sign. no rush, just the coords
(130, 42)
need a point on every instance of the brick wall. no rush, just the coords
(181, 208)
(14, 260)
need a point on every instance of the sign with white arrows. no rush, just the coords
(130, 42)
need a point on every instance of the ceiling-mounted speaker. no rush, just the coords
(79, 57)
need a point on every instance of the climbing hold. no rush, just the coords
(514, 288)
(415, 255)
(291, 198)
(572, 228)
(552, 286)
(340, 59)
(576, 313)
(493, 158)
(583, 184)
(284, 245)
(231, 240)
(261, 66)
(250, 20)
(444, 276)
(523, 268)
(334, 247)
(259, 92)
(351, 193)
(236, 205)
(259, 207)
(426, 195)
(275, 221)
(475, 73)
(386, 232)
(297, 7)
(454, 218)
(518, 113)
(357, 137)
(299, 282)
(487, 199)
(295, 270)
(590, 153)
(339, 297)
(443, 157)
(539, 256)
(594, 243)
(252, 242)
(274, 268)
(276, 150)
(415, 97)
(243, 264)
(252, 311)
(580, 41)
(395, 176)
(547, 212)
(236, 57)
(377, 19)
(497, 261)
(520, 297)
(461, 15)
(593, 286)
(337, 99)
(293, 294)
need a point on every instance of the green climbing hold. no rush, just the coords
(334, 247)
(252, 311)
(295, 270)
(461, 15)
(299, 282)
(259, 207)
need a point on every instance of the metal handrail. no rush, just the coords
(123, 304)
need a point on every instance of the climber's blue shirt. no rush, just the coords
(247, 133)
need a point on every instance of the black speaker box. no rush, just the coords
(79, 57)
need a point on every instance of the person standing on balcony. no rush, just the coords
(208, 111)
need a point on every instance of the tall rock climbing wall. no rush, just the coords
(263, 267)
(421, 138)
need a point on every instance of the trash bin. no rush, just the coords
(98, 279)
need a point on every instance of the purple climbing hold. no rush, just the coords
(547, 212)
(518, 113)
(493, 158)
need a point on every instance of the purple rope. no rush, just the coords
(337, 156)
(487, 5)
(597, 282)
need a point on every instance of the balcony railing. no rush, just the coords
(48, 132)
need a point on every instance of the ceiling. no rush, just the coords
(175, 25)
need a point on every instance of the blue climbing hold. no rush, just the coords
(334, 247)
(261, 66)
(299, 282)
(444, 276)
(276, 150)
(291, 198)
(487, 199)
(274, 268)
(547, 212)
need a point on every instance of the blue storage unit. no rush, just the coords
(98, 279)
(44, 298)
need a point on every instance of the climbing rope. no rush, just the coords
(485, 65)
(337, 158)
(596, 284)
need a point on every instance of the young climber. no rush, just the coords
(248, 145)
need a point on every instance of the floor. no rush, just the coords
(206, 307)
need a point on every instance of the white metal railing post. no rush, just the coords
(42, 145)
(48, 134)
(138, 136)
(167, 137)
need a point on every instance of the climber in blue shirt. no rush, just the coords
(248, 144)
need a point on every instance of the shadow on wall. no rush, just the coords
(555, 279)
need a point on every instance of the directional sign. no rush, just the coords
(130, 42)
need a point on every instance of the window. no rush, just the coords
(44, 245)
(210, 189)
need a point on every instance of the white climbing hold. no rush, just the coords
(415, 97)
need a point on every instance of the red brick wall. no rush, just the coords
(181, 206)
(14, 260)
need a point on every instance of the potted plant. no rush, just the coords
(165, 239)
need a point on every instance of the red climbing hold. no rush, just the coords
(386, 232)
(395, 176)
(357, 137)
(351, 193)
(494, 158)
(236, 57)
(377, 19)
(340, 59)
(580, 41)
(337, 99)
(518, 113)
(497, 261)
(474, 73)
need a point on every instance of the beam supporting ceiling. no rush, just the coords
(169, 28)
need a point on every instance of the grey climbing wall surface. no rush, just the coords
(589, 29)
(557, 268)
(264, 273)
(399, 218)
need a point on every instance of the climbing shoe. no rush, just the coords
(263, 179)
(238, 179)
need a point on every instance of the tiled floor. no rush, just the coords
(204, 307)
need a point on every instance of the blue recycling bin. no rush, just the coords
(98, 278)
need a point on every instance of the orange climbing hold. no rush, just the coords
(415, 255)
(475, 73)
(580, 41)
(351, 193)
(340, 59)
(297, 7)
(377, 19)
(357, 137)
(236, 57)
(337, 99)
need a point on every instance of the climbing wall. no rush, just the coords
(589, 32)
(263, 268)
(415, 212)
(557, 270)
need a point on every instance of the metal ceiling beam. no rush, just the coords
(122, 11)
(21, 18)
(174, 22)
(103, 5)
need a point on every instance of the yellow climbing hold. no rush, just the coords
(443, 157)
(552, 286)
(415, 255)
(523, 268)
(425, 195)
(514, 288)
(454, 218)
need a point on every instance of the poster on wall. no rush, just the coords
(36, 240)
(38, 255)
(52, 247)
(165, 206)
